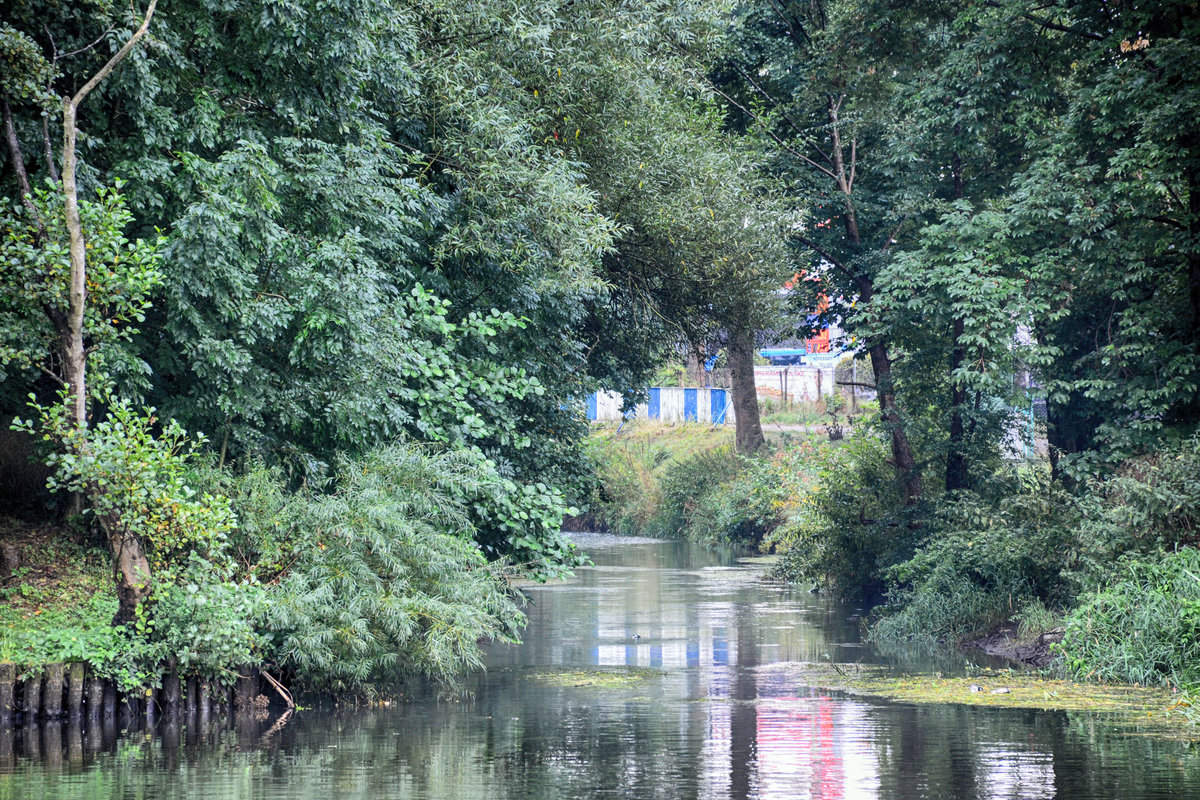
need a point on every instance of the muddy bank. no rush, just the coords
(1005, 642)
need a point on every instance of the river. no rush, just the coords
(649, 675)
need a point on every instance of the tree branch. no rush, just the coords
(111, 64)
(863, 286)
(772, 134)
(58, 55)
(18, 161)
(1045, 23)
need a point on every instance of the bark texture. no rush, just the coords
(749, 436)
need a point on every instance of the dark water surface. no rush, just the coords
(688, 709)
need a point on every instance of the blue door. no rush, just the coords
(592, 407)
(689, 405)
(718, 406)
(653, 404)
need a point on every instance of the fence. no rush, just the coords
(666, 404)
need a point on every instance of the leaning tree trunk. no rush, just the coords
(131, 568)
(749, 437)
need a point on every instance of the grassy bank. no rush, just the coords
(686, 481)
(57, 602)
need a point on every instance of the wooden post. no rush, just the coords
(52, 691)
(193, 700)
(130, 711)
(75, 682)
(151, 699)
(7, 756)
(8, 683)
(170, 693)
(205, 700)
(247, 690)
(109, 701)
(95, 697)
(33, 697)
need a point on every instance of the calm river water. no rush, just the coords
(702, 716)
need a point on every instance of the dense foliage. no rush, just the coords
(1001, 201)
(405, 238)
(372, 260)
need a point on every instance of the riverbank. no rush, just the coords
(61, 657)
(686, 481)
(1026, 572)
(351, 592)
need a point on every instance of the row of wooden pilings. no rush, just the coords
(68, 691)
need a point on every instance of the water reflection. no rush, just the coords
(707, 719)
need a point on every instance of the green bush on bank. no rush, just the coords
(380, 577)
(1144, 627)
(687, 482)
(983, 562)
(850, 525)
(1027, 542)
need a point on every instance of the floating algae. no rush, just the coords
(1153, 710)
(627, 678)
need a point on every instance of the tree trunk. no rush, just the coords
(695, 366)
(902, 456)
(71, 332)
(131, 568)
(881, 362)
(131, 571)
(749, 437)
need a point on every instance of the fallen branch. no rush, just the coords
(284, 693)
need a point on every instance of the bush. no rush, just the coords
(627, 497)
(1150, 504)
(691, 493)
(137, 481)
(1143, 628)
(379, 578)
(852, 526)
(985, 560)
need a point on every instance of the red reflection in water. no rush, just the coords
(797, 746)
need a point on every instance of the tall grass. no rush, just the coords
(1143, 628)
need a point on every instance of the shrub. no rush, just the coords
(983, 561)
(1148, 505)
(852, 526)
(385, 579)
(627, 490)
(690, 494)
(137, 483)
(1142, 628)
